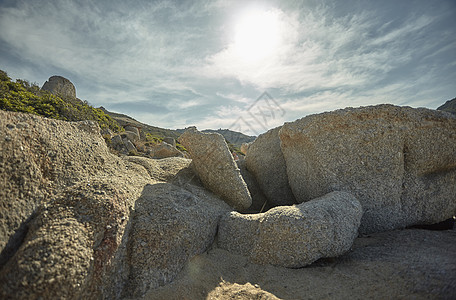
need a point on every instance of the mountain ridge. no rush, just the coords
(233, 137)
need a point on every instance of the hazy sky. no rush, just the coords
(175, 64)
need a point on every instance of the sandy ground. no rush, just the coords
(402, 264)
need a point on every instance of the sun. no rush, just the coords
(257, 35)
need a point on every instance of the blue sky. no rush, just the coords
(175, 64)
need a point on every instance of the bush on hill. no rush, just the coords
(21, 96)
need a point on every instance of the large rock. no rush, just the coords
(61, 86)
(130, 135)
(170, 226)
(265, 161)
(216, 167)
(73, 247)
(134, 129)
(294, 236)
(65, 202)
(399, 162)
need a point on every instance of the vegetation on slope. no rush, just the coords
(21, 96)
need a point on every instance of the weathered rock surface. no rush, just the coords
(164, 150)
(60, 188)
(129, 146)
(129, 135)
(294, 236)
(216, 167)
(170, 226)
(65, 212)
(399, 162)
(166, 169)
(267, 164)
(134, 129)
(72, 246)
(59, 85)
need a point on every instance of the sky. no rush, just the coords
(244, 65)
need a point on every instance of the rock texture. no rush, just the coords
(216, 167)
(66, 213)
(267, 164)
(59, 85)
(294, 236)
(71, 247)
(170, 226)
(60, 189)
(164, 150)
(399, 162)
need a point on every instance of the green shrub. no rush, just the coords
(22, 96)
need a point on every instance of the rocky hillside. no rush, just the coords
(449, 106)
(125, 120)
(232, 137)
(56, 100)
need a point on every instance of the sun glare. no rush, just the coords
(257, 35)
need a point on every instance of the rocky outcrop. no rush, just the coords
(399, 162)
(129, 135)
(265, 161)
(294, 236)
(72, 246)
(66, 213)
(216, 167)
(61, 86)
(134, 129)
(170, 226)
(64, 209)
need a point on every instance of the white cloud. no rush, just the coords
(181, 59)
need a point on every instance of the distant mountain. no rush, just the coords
(449, 106)
(235, 138)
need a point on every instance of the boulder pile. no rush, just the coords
(77, 221)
